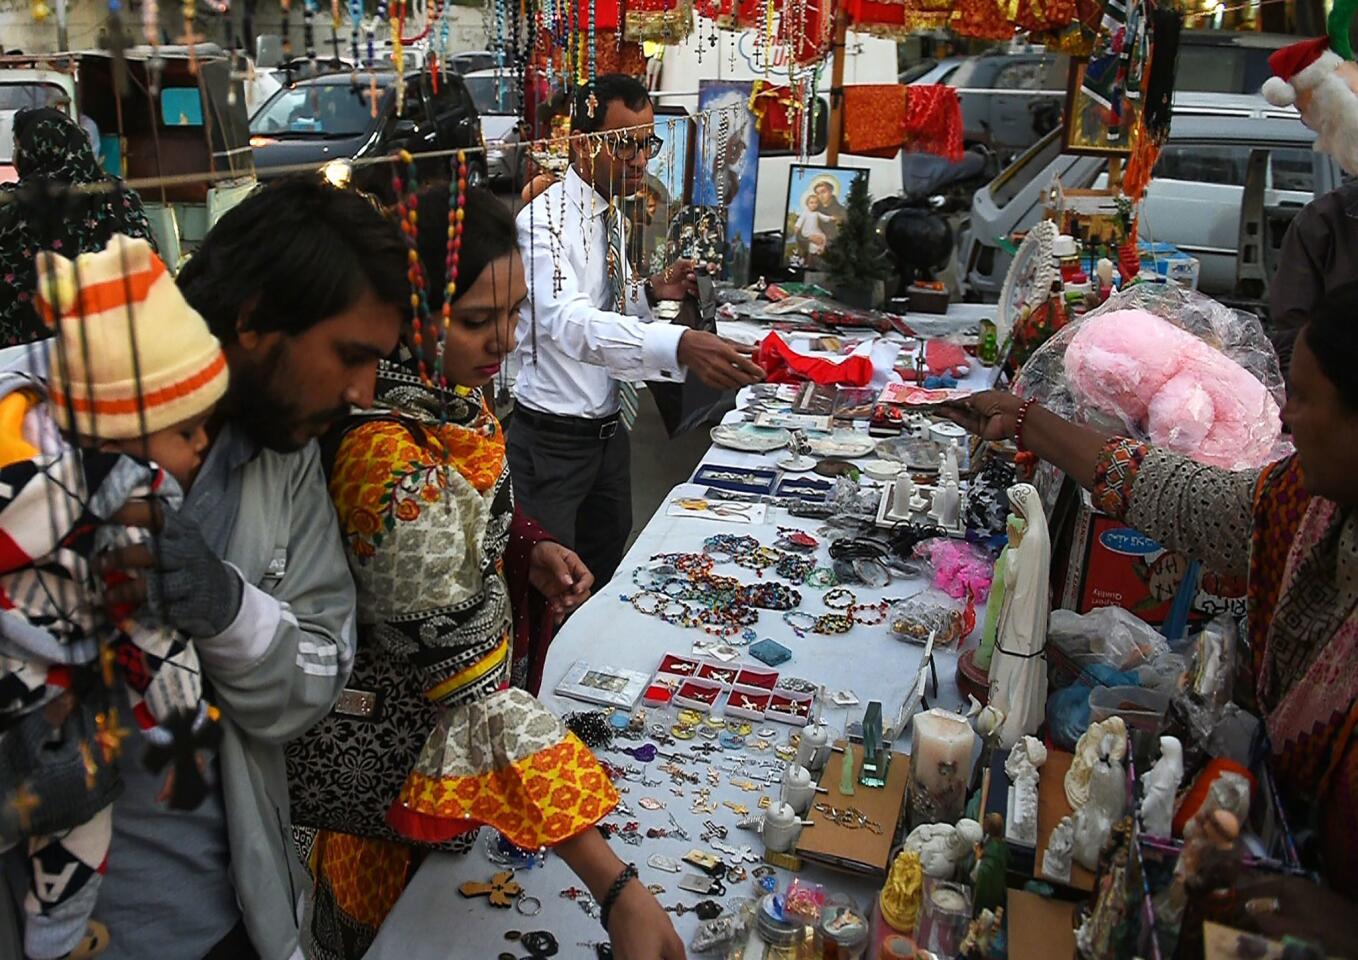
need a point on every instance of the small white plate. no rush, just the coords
(751, 439)
(796, 464)
(883, 470)
(845, 443)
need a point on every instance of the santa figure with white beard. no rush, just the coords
(1319, 77)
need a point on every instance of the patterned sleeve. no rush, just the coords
(1204, 512)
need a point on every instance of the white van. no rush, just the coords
(867, 60)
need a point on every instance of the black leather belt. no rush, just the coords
(601, 429)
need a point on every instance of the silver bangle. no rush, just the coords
(524, 898)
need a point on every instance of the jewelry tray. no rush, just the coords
(886, 519)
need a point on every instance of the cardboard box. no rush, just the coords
(1111, 565)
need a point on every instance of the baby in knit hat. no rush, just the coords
(133, 376)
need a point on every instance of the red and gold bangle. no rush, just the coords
(1019, 421)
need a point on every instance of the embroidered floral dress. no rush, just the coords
(1300, 554)
(422, 490)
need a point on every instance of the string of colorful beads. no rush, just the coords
(457, 203)
(407, 209)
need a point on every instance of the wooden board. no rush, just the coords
(1039, 927)
(857, 851)
(1051, 807)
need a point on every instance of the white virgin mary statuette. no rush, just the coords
(1018, 671)
(1159, 787)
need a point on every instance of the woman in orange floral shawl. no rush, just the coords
(426, 510)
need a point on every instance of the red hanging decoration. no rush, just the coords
(898, 19)
(981, 20)
(776, 109)
(607, 16)
(659, 21)
(874, 119)
(933, 121)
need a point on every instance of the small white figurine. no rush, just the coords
(942, 846)
(1105, 807)
(1024, 760)
(947, 509)
(1060, 846)
(1018, 671)
(947, 465)
(902, 494)
(1159, 786)
(1087, 755)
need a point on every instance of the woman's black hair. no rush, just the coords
(488, 233)
(1330, 334)
(292, 254)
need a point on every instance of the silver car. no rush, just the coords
(1193, 202)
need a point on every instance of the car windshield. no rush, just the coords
(492, 94)
(18, 96)
(316, 110)
(1211, 68)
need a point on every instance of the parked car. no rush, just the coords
(329, 119)
(930, 72)
(473, 61)
(1193, 201)
(1013, 98)
(502, 126)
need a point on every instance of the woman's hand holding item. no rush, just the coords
(640, 929)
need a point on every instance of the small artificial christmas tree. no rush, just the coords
(856, 259)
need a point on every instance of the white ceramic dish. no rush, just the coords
(750, 439)
(844, 443)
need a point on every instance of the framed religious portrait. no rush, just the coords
(815, 211)
(726, 151)
(1101, 118)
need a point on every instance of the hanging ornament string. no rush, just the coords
(398, 16)
(407, 209)
(457, 202)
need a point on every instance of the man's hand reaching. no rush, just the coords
(718, 362)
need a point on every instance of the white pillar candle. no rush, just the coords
(813, 750)
(798, 789)
(941, 746)
(781, 828)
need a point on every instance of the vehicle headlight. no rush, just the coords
(338, 173)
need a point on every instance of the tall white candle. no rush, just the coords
(941, 747)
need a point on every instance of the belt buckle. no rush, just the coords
(608, 430)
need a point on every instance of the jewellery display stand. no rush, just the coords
(862, 849)
(740, 479)
(887, 518)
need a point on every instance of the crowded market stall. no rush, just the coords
(879, 679)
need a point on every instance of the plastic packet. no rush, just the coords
(1168, 365)
(931, 612)
(959, 567)
(724, 930)
(1108, 635)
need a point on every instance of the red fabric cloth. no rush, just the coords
(607, 15)
(782, 364)
(981, 20)
(933, 121)
(874, 119)
(773, 106)
(533, 626)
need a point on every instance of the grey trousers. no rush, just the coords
(578, 488)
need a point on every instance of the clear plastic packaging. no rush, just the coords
(1168, 365)
(959, 567)
(930, 612)
(1108, 635)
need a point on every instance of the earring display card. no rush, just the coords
(739, 479)
(794, 421)
(718, 673)
(787, 706)
(698, 694)
(755, 677)
(805, 488)
(748, 702)
(683, 666)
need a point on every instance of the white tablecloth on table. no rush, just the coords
(432, 921)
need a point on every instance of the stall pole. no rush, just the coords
(837, 87)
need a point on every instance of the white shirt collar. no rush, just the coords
(586, 199)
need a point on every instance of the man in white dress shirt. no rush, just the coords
(588, 333)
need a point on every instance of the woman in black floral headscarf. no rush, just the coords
(51, 151)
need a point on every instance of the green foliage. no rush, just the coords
(856, 257)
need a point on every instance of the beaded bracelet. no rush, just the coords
(822, 577)
(830, 623)
(795, 568)
(809, 622)
(628, 874)
(840, 598)
(1019, 421)
(729, 545)
(880, 609)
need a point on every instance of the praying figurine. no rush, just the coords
(1018, 669)
(981, 935)
(992, 863)
(942, 846)
(1159, 787)
(1024, 760)
(1060, 847)
(904, 891)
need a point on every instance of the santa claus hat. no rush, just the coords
(1298, 68)
(1302, 66)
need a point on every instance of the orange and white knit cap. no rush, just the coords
(100, 304)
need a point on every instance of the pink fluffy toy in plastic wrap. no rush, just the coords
(1169, 366)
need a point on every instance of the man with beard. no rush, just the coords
(305, 287)
(1320, 250)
